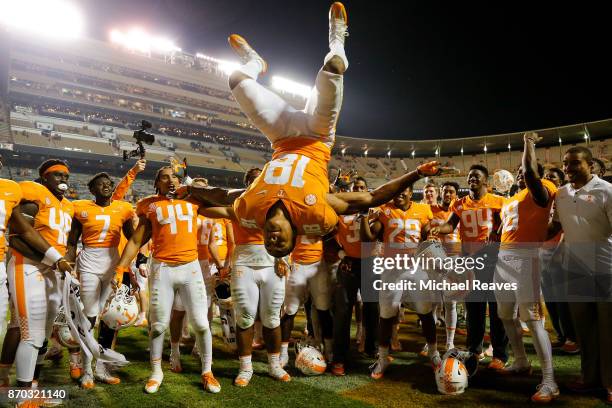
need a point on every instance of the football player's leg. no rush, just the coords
(28, 294)
(177, 317)
(450, 317)
(54, 285)
(245, 295)
(4, 298)
(161, 290)
(272, 295)
(320, 292)
(296, 289)
(90, 296)
(345, 297)
(193, 293)
(390, 302)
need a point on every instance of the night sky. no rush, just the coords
(418, 69)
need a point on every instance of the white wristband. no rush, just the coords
(51, 256)
(187, 181)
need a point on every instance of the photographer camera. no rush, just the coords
(141, 135)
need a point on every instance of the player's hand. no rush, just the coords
(431, 168)
(531, 137)
(373, 215)
(434, 232)
(281, 268)
(64, 266)
(140, 166)
(135, 287)
(224, 273)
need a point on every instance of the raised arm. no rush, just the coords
(538, 192)
(370, 227)
(212, 196)
(218, 212)
(349, 203)
(127, 180)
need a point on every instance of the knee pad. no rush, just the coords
(389, 311)
(532, 311)
(271, 321)
(158, 329)
(507, 311)
(423, 307)
(199, 323)
(245, 320)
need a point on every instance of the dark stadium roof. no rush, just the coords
(571, 134)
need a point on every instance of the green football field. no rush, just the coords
(409, 382)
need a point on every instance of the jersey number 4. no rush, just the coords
(288, 167)
(175, 212)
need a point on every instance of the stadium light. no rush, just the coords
(227, 67)
(138, 40)
(389, 153)
(509, 147)
(51, 18)
(365, 153)
(412, 154)
(343, 150)
(560, 141)
(287, 85)
(462, 150)
(436, 152)
(586, 137)
(485, 148)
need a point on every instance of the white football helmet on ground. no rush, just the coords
(451, 375)
(121, 309)
(309, 360)
(64, 335)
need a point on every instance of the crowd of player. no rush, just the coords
(292, 239)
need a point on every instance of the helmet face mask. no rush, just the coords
(64, 335)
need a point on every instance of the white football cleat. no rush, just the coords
(338, 31)
(377, 370)
(152, 385)
(279, 374)
(545, 393)
(243, 378)
(102, 374)
(246, 52)
(210, 383)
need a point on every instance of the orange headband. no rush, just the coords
(57, 167)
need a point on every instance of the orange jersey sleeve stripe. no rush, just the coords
(20, 289)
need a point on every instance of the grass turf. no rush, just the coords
(409, 381)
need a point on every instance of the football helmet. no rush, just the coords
(64, 335)
(451, 375)
(309, 360)
(121, 309)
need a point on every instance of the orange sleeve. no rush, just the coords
(124, 185)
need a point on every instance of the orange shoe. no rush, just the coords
(243, 378)
(76, 371)
(337, 369)
(245, 51)
(210, 383)
(545, 393)
(152, 386)
(515, 370)
(29, 404)
(338, 12)
(570, 347)
(87, 382)
(497, 364)
(377, 370)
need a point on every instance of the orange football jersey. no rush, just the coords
(476, 217)
(307, 250)
(402, 229)
(204, 228)
(10, 197)
(102, 226)
(297, 176)
(174, 228)
(525, 221)
(440, 217)
(246, 236)
(54, 217)
(348, 235)
(219, 235)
